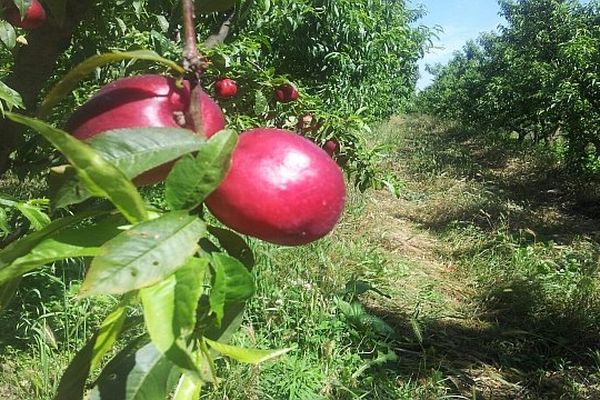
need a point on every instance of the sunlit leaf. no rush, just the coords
(144, 374)
(188, 388)
(8, 36)
(73, 381)
(144, 254)
(170, 311)
(67, 243)
(133, 151)
(99, 176)
(9, 98)
(21, 248)
(195, 177)
(250, 356)
(34, 214)
(234, 245)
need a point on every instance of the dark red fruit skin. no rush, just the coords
(226, 88)
(331, 147)
(34, 17)
(286, 93)
(142, 102)
(281, 188)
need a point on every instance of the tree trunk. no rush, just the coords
(34, 64)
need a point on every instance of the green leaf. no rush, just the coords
(144, 374)
(170, 311)
(72, 383)
(144, 255)
(194, 177)
(109, 332)
(234, 245)
(9, 98)
(250, 356)
(232, 283)
(99, 176)
(77, 74)
(187, 388)
(32, 212)
(24, 245)
(133, 151)
(23, 6)
(211, 6)
(4, 227)
(57, 245)
(8, 36)
(261, 104)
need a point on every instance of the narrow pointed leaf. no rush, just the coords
(98, 175)
(250, 356)
(170, 311)
(8, 36)
(36, 217)
(188, 388)
(234, 245)
(144, 374)
(144, 255)
(9, 97)
(133, 151)
(195, 177)
(232, 283)
(67, 243)
(77, 74)
(109, 332)
(72, 383)
(23, 6)
(23, 246)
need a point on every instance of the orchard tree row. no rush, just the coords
(352, 62)
(538, 78)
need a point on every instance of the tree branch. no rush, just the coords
(219, 37)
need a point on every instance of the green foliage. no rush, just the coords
(209, 166)
(133, 151)
(9, 98)
(538, 77)
(352, 62)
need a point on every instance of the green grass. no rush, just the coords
(480, 282)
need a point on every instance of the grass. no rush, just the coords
(480, 282)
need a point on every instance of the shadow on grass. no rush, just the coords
(499, 181)
(533, 326)
(508, 351)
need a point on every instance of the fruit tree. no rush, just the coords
(170, 117)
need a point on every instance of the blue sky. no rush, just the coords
(461, 20)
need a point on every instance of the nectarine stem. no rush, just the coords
(193, 62)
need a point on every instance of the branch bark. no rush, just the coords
(220, 36)
(34, 64)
